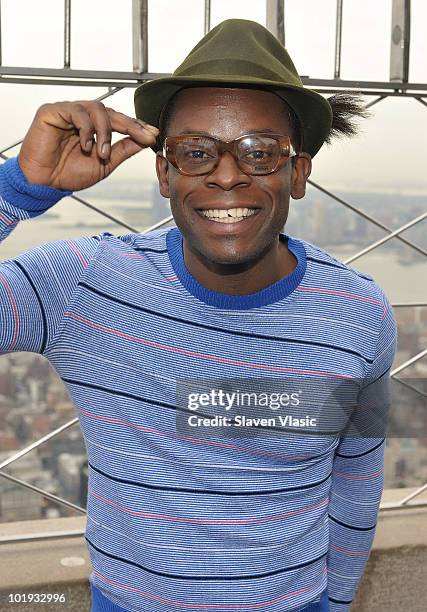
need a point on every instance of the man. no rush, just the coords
(179, 519)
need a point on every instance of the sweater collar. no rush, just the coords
(273, 293)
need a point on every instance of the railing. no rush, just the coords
(397, 86)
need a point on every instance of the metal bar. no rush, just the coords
(207, 26)
(397, 506)
(140, 35)
(421, 100)
(31, 537)
(67, 33)
(116, 78)
(403, 382)
(408, 304)
(365, 216)
(158, 224)
(111, 91)
(414, 494)
(14, 144)
(67, 83)
(275, 19)
(407, 363)
(400, 40)
(338, 37)
(141, 79)
(37, 443)
(104, 214)
(375, 101)
(378, 243)
(54, 498)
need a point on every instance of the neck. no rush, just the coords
(241, 279)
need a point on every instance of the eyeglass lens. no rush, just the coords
(255, 154)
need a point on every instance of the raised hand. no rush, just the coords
(59, 149)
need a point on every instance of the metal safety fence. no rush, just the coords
(397, 86)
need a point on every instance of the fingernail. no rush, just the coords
(147, 126)
(152, 128)
(89, 143)
(105, 149)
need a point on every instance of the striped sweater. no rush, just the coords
(177, 521)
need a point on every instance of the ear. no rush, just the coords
(300, 173)
(162, 170)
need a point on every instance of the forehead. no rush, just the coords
(226, 110)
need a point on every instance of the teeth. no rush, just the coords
(232, 215)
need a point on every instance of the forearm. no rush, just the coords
(358, 472)
(20, 200)
(35, 286)
(355, 496)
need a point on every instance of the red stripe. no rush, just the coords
(348, 552)
(15, 313)
(343, 293)
(171, 278)
(79, 255)
(210, 606)
(200, 355)
(179, 519)
(195, 440)
(5, 219)
(354, 477)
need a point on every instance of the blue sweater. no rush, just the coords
(196, 519)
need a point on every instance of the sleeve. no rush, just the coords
(36, 286)
(358, 474)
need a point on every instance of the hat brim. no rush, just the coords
(312, 109)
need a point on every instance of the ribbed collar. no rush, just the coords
(273, 293)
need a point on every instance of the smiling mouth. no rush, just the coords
(231, 215)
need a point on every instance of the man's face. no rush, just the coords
(227, 113)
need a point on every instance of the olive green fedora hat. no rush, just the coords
(242, 53)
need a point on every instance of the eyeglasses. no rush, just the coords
(259, 154)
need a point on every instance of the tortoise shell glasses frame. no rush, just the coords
(178, 150)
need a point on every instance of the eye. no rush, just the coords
(198, 154)
(258, 154)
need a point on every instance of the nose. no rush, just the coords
(227, 175)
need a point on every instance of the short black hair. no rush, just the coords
(347, 107)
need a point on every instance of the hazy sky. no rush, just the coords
(390, 152)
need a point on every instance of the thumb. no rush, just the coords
(122, 150)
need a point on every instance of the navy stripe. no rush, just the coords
(207, 491)
(326, 263)
(221, 329)
(148, 250)
(361, 454)
(375, 380)
(340, 601)
(208, 578)
(351, 526)
(44, 336)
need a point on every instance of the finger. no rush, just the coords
(83, 123)
(122, 150)
(140, 131)
(103, 129)
(66, 116)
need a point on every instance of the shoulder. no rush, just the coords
(327, 266)
(351, 290)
